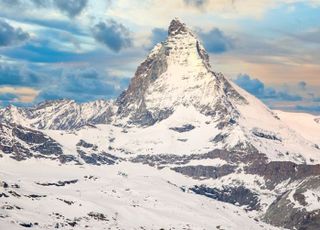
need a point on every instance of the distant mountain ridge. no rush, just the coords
(60, 114)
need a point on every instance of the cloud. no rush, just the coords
(14, 95)
(306, 108)
(112, 34)
(158, 35)
(48, 83)
(216, 41)
(83, 85)
(71, 7)
(258, 88)
(41, 3)
(7, 96)
(15, 75)
(87, 80)
(10, 2)
(308, 36)
(196, 3)
(316, 99)
(10, 36)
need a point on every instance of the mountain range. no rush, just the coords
(182, 148)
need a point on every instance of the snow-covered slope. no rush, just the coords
(44, 195)
(307, 125)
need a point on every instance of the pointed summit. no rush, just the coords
(176, 73)
(177, 27)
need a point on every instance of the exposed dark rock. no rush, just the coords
(5, 184)
(84, 144)
(219, 138)
(10, 207)
(35, 196)
(146, 73)
(67, 158)
(262, 134)
(48, 148)
(240, 196)
(277, 171)
(98, 158)
(15, 186)
(300, 198)
(72, 223)
(282, 212)
(15, 194)
(29, 136)
(26, 225)
(232, 157)
(184, 128)
(59, 183)
(3, 195)
(22, 143)
(176, 27)
(182, 139)
(98, 216)
(68, 202)
(205, 172)
(273, 172)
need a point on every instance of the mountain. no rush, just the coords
(180, 133)
(176, 73)
(60, 114)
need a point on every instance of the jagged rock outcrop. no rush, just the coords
(23, 143)
(297, 208)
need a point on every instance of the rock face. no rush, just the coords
(23, 143)
(235, 195)
(297, 208)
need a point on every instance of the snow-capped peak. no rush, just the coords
(176, 78)
(177, 27)
(176, 72)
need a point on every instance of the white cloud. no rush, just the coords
(25, 94)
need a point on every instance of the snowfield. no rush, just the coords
(123, 196)
(307, 125)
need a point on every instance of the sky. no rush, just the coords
(89, 49)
